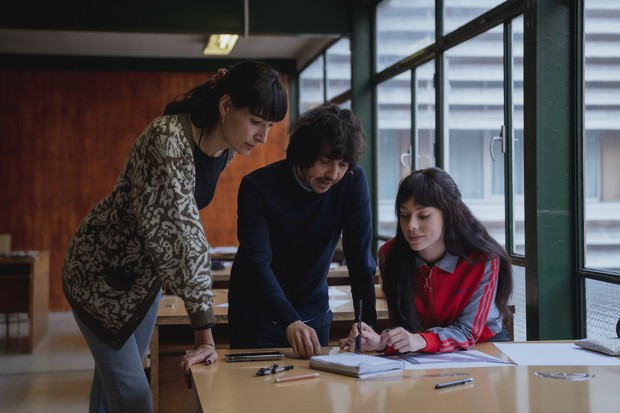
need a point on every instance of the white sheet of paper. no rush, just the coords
(554, 354)
(337, 303)
(334, 292)
(455, 360)
(228, 249)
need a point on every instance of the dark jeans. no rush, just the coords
(268, 334)
(501, 336)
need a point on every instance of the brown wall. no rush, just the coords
(64, 136)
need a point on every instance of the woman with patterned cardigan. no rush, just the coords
(147, 232)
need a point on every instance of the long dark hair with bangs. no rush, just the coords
(463, 234)
(250, 84)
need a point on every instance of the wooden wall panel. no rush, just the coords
(64, 137)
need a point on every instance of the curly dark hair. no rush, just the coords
(463, 234)
(326, 130)
(250, 84)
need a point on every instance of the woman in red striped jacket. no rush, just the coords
(447, 282)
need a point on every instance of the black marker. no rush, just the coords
(273, 369)
(358, 339)
(454, 383)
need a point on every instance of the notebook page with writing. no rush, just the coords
(356, 364)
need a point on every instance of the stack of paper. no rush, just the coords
(356, 365)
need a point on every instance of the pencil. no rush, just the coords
(295, 378)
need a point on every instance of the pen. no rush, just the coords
(358, 339)
(273, 369)
(454, 383)
(295, 378)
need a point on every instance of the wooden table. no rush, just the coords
(172, 335)
(24, 288)
(234, 387)
(338, 275)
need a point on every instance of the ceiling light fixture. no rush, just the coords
(220, 44)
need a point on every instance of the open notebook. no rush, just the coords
(356, 364)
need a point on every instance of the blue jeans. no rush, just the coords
(119, 383)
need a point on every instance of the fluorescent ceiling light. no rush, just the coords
(220, 44)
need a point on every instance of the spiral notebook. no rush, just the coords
(356, 364)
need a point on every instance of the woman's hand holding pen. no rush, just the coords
(370, 340)
(399, 340)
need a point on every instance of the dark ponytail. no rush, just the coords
(252, 85)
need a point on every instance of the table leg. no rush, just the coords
(155, 368)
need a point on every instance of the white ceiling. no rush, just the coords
(155, 45)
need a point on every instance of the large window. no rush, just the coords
(450, 92)
(338, 68)
(393, 146)
(601, 162)
(474, 78)
(602, 134)
(327, 77)
(403, 140)
(515, 142)
(424, 139)
(403, 28)
(459, 12)
(478, 113)
(312, 85)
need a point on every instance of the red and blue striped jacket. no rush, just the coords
(455, 300)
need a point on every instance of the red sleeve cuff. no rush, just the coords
(432, 342)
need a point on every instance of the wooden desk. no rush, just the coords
(172, 335)
(234, 387)
(172, 310)
(24, 288)
(335, 276)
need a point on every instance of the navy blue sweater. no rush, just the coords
(287, 238)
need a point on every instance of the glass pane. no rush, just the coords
(518, 300)
(425, 116)
(474, 117)
(459, 12)
(393, 146)
(518, 206)
(602, 308)
(602, 134)
(403, 27)
(311, 86)
(338, 68)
